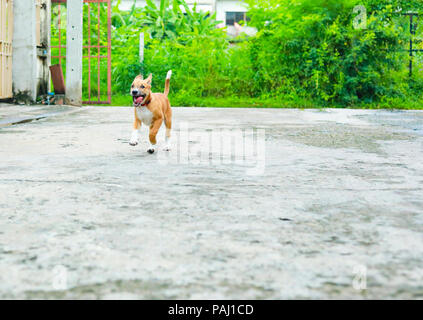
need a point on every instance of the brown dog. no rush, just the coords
(151, 109)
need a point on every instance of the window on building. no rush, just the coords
(232, 17)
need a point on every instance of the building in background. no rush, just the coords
(229, 12)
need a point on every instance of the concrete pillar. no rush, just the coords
(48, 39)
(43, 47)
(24, 72)
(74, 53)
(31, 49)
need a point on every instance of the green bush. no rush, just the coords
(306, 52)
(187, 43)
(311, 48)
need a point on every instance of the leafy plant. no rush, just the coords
(305, 51)
(170, 21)
(311, 48)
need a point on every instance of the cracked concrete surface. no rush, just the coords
(338, 207)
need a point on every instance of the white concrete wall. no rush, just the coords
(127, 4)
(24, 51)
(30, 64)
(223, 6)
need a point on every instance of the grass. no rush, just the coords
(121, 100)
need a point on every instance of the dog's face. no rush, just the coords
(140, 89)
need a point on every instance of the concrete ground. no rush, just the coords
(334, 210)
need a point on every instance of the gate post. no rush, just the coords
(74, 53)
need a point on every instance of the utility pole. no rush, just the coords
(142, 53)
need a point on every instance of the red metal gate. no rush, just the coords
(97, 48)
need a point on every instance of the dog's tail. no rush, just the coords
(167, 83)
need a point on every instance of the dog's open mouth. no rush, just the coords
(138, 100)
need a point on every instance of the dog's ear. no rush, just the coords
(139, 77)
(150, 77)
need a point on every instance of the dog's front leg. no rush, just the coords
(154, 128)
(134, 137)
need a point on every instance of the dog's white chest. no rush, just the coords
(145, 115)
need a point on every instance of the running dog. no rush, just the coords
(151, 109)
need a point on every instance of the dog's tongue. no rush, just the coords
(139, 100)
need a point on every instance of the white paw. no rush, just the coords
(134, 138)
(151, 149)
(166, 148)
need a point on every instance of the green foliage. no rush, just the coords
(311, 48)
(187, 43)
(306, 52)
(171, 22)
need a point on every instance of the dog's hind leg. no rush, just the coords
(154, 128)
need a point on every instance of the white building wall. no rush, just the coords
(224, 6)
(127, 4)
